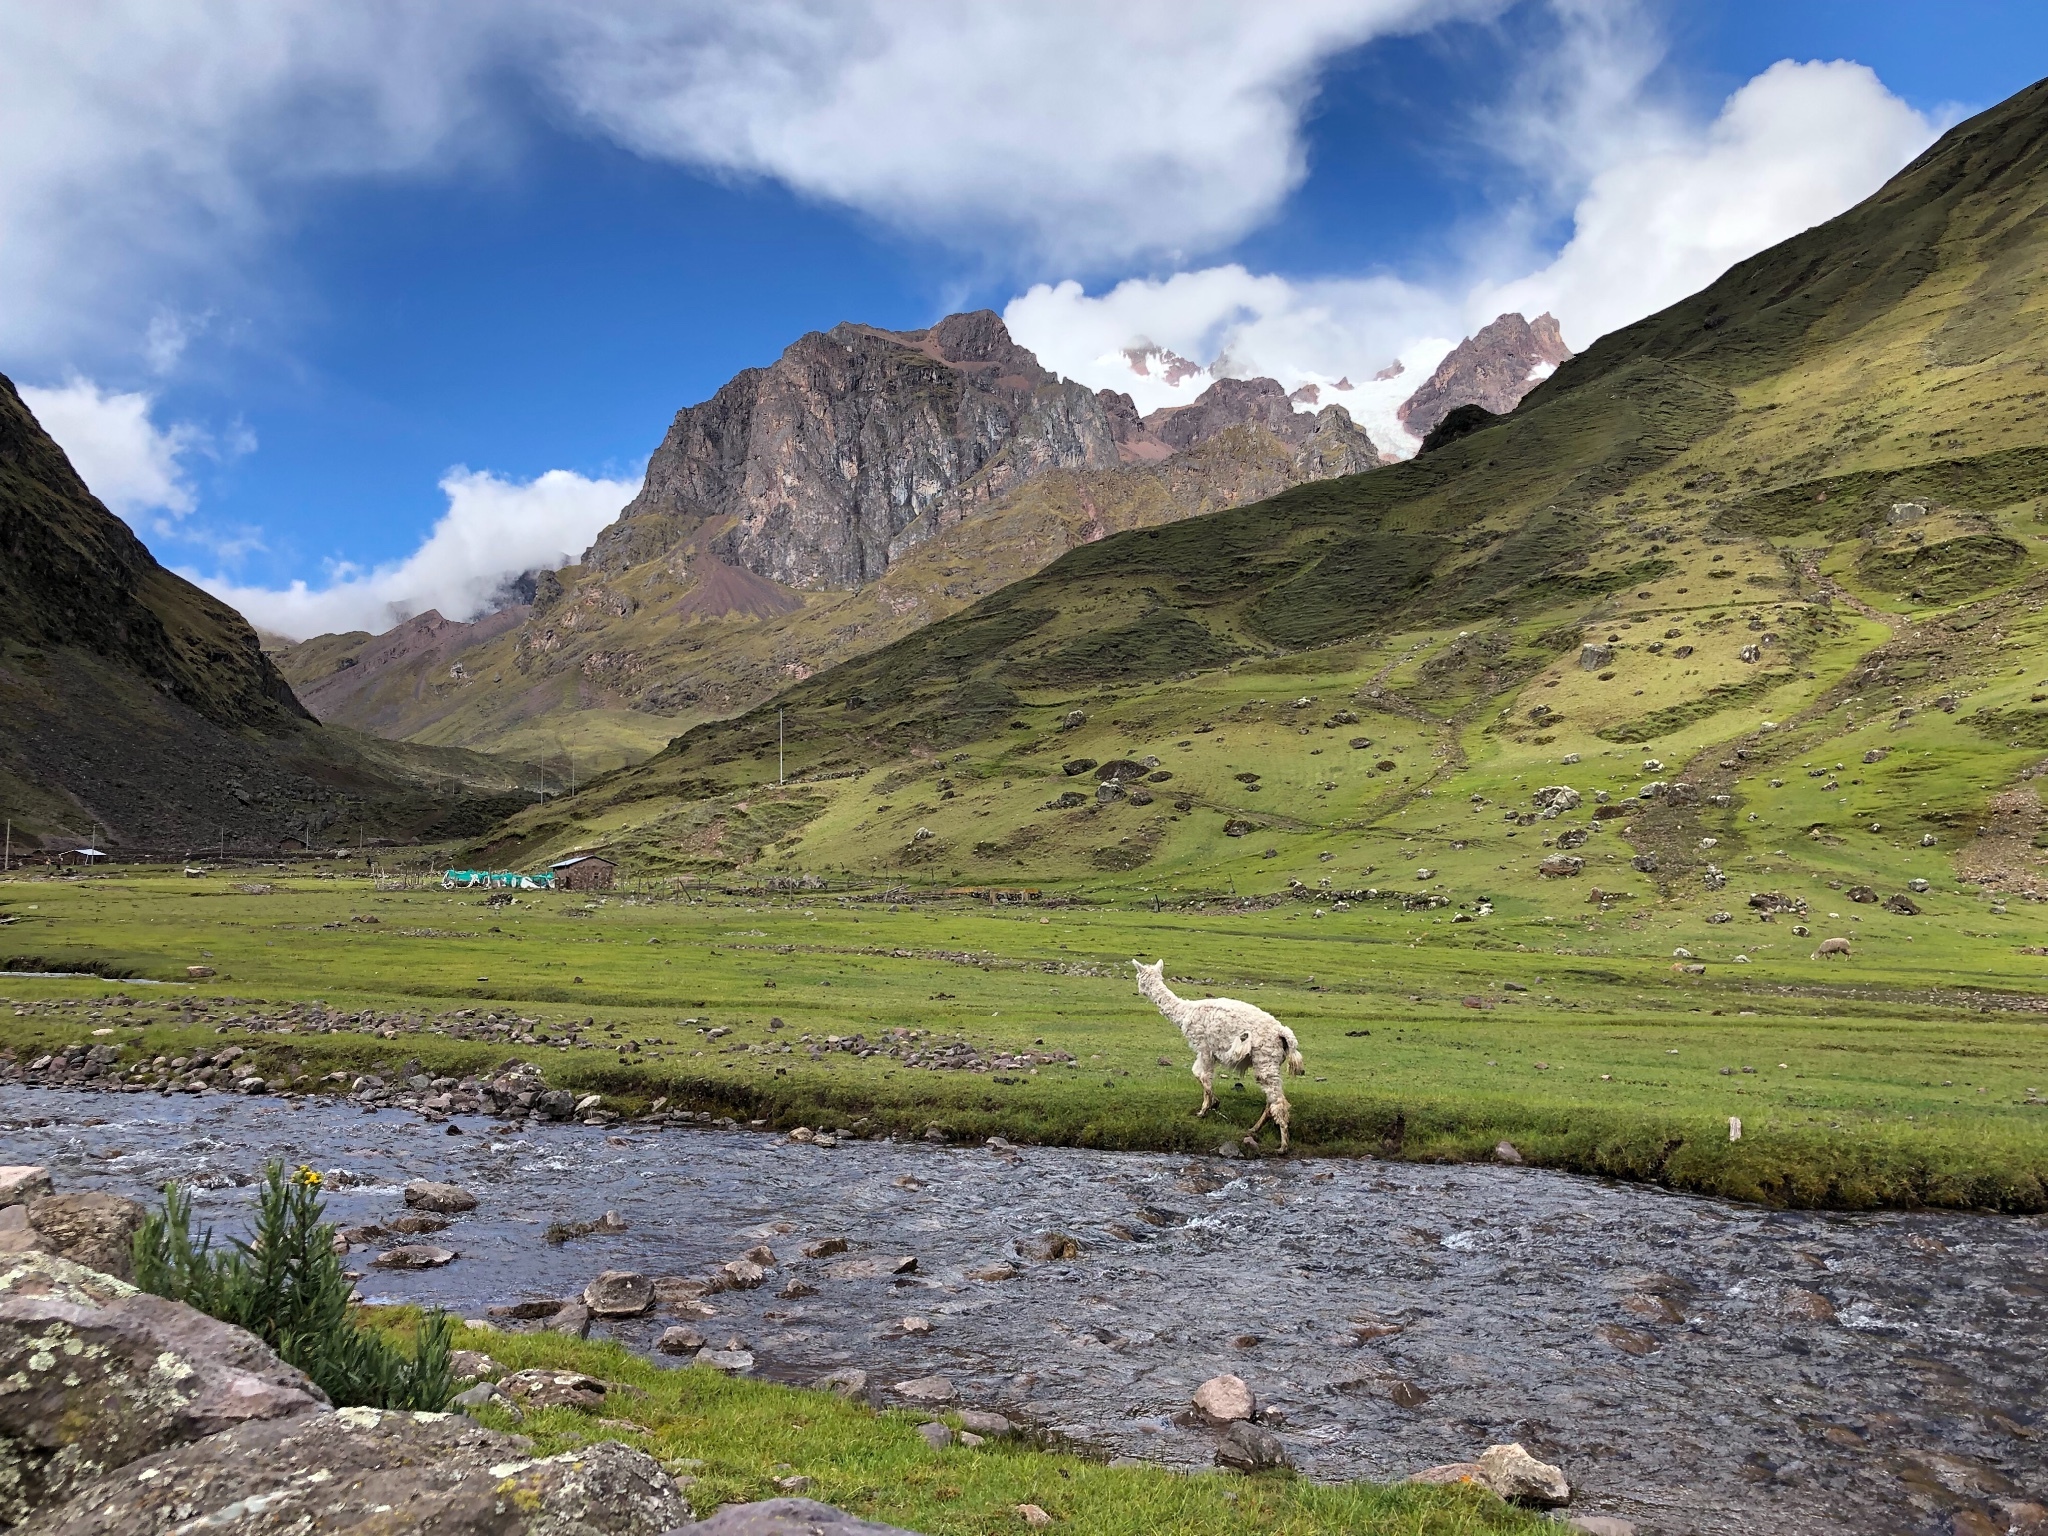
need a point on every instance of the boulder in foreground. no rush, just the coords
(99, 1374)
(361, 1470)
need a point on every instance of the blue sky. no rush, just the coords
(316, 290)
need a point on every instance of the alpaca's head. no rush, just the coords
(1156, 971)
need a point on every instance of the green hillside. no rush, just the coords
(142, 713)
(1798, 514)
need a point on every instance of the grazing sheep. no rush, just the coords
(1830, 947)
(1225, 1032)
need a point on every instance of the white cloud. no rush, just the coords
(493, 530)
(1669, 209)
(1077, 131)
(124, 458)
(1323, 333)
(1794, 147)
(148, 151)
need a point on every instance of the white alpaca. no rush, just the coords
(1225, 1032)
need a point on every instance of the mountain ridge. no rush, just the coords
(144, 712)
(613, 656)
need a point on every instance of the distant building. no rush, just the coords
(583, 872)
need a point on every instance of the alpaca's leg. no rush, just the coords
(1205, 1074)
(1266, 1074)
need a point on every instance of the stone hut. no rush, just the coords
(583, 872)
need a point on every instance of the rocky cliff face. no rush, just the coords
(1493, 369)
(858, 444)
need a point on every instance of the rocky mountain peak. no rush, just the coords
(1493, 368)
(858, 444)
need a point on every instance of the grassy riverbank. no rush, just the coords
(1855, 1088)
(738, 1437)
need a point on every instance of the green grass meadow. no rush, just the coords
(1856, 1087)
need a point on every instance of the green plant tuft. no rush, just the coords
(286, 1286)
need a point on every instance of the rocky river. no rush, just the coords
(1694, 1366)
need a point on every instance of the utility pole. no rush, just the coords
(778, 746)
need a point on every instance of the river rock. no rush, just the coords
(23, 1182)
(679, 1341)
(1808, 1306)
(360, 1469)
(573, 1319)
(826, 1247)
(1630, 1341)
(1224, 1400)
(794, 1517)
(555, 1389)
(1249, 1447)
(138, 1374)
(733, 1362)
(418, 1224)
(1601, 1525)
(927, 1389)
(741, 1274)
(1516, 1476)
(850, 1382)
(936, 1435)
(413, 1256)
(426, 1195)
(992, 1426)
(619, 1293)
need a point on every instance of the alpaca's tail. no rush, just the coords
(1294, 1062)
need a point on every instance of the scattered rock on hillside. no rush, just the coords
(359, 1469)
(426, 1195)
(555, 1389)
(139, 1374)
(473, 1365)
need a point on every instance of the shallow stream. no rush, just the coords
(1674, 1355)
